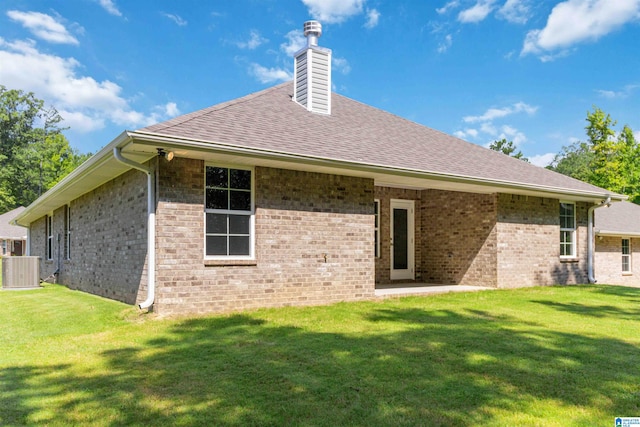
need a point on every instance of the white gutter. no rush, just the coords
(151, 225)
(607, 203)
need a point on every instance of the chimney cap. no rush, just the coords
(313, 28)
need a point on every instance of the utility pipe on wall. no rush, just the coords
(151, 226)
(590, 250)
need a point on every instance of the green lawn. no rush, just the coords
(557, 356)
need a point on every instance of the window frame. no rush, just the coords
(376, 228)
(250, 213)
(573, 244)
(625, 256)
(49, 236)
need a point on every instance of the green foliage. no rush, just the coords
(507, 147)
(575, 161)
(34, 155)
(608, 159)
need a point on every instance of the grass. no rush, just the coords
(548, 356)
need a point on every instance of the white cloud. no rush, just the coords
(269, 75)
(445, 44)
(110, 7)
(515, 11)
(489, 129)
(624, 93)
(373, 16)
(333, 11)
(512, 134)
(495, 113)
(175, 18)
(295, 41)
(171, 109)
(447, 7)
(85, 103)
(477, 12)
(80, 122)
(464, 134)
(255, 40)
(575, 21)
(341, 65)
(43, 26)
(542, 160)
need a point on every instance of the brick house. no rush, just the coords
(617, 231)
(295, 195)
(13, 238)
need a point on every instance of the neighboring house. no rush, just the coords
(617, 245)
(13, 238)
(295, 196)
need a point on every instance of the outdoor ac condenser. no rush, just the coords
(20, 272)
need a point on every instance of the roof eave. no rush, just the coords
(172, 142)
(614, 233)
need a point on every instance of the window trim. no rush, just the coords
(572, 230)
(376, 228)
(251, 214)
(49, 236)
(627, 255)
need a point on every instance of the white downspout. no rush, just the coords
(590, 250)
(151, 226)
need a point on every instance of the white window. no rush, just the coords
(626, 256)
(376, 205)
(229, 218)
(49, 227)
(67, 233)
(4, 247)
(567, 229)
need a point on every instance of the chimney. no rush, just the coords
(312, 79)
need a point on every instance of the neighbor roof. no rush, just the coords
(620, 219)
(354, 132)
(12, 232)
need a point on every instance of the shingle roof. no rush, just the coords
(619, 219)
(354, 132)
(8, 231)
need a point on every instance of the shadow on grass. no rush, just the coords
(601, 310)
(411, 367)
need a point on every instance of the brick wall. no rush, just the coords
(528, 243)
(608, 261)
(459, 240)
(108, 240)
(314, 243)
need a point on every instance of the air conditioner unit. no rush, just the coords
(21, 272)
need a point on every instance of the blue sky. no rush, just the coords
(524, 70)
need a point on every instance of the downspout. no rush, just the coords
(607, 203)
(151, 226)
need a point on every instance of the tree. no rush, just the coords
(34, 154)
(574, 160)
(608, 159)
(507, 147)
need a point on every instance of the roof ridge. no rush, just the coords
(186, 118)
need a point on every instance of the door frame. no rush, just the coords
(409, 272)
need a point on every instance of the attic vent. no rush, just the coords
(312, 80)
